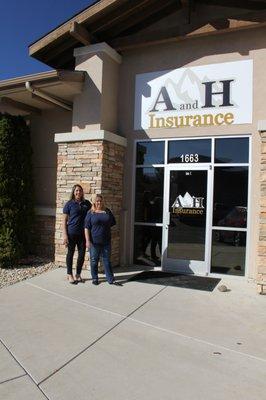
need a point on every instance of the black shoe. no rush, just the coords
(115, 283)
(79, 279)
(95, 282)
(74, 282)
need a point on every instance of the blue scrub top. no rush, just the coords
(76, 215)
(99, 225)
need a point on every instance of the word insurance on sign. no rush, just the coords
(216, 94)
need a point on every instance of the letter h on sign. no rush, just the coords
(225, 92)
(198, 202)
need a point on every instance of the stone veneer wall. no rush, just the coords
(262, 235)
(44, 233)
(97, 166)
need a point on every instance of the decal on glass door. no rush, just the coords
(188, 204)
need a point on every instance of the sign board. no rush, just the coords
(207, 95)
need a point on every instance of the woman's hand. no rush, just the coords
(88, 244)
(65, 240)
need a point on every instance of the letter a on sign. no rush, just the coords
(163, 98)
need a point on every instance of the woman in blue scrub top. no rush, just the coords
(98, 223)
(75, 211)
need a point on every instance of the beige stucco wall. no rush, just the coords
(241, 45)
(96, 107)
(43, 129)
(44, 159)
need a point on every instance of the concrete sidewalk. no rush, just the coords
(135, 342)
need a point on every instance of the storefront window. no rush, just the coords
(149, 203)
(147, 245)
(149, 153)
(228, 252)
(187, 223)
(230, 211)
(234, 150)
(189, 151)
(230, 196)
(149, 195)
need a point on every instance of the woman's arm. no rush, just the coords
(87, 236)
(65, 236)
(112, 219)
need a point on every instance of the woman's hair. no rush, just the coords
(93, 206)
(72, 196)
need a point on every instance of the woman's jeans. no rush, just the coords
(73, 241)
(96, 251)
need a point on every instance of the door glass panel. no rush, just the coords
(147, 245)
(189, 151)
(149, 153)
(187, 207)
(234, 150)
(228, 252)
(230, 196)
(149, 195)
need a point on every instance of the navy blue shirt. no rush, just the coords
(99, 225)
(76, 215)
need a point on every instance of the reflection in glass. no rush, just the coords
(189, 151)
(228, 252)
(149, 194)
(234, 150)
(188, 199)
(147, 245)
(230, 196)
(149, 153)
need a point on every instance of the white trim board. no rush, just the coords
(47, 211)
(98, 48)
(90, 135)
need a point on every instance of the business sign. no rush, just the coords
(188, 204)
(215, 94)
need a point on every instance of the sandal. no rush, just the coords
(79, 279)
(71, 280)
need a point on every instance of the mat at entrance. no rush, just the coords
(178, 280)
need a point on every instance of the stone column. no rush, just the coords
(97, 165)
(262, 233)
(92, 155)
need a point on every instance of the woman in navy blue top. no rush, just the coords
(75, 211)
(98, 223)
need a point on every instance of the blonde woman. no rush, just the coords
(75, 211)
(98, 223)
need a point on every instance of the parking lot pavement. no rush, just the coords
(138, 341)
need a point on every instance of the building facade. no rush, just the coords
(169, 127)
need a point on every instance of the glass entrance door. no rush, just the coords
(186, 219)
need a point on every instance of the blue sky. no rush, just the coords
(25, 21)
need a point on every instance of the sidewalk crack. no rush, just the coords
(26, 372)
(12, 379)
(102, 336)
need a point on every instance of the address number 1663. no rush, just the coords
(189, 158)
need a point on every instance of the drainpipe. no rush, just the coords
(39, 93)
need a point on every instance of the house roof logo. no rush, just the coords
(188, 201)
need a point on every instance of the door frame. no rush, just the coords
(212, 165)
(179, 265)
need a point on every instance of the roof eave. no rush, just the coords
(88, 14)
(43, 77)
